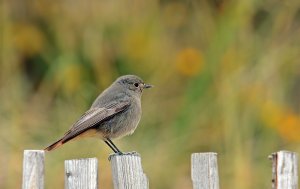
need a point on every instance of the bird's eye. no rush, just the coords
(136, 84)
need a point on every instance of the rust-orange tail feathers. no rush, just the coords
(71, 135)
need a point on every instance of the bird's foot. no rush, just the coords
(134, 153)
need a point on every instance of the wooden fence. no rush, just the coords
(128, 172)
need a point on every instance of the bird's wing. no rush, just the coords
(94, 116)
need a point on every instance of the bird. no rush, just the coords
(115, 113)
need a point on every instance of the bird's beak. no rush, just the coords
(147, 86)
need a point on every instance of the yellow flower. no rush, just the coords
(285, 122)
(289, 127)
(28, 39)
(189, 61)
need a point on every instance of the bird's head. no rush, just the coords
(133, 83)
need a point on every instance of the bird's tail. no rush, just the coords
(54, 145)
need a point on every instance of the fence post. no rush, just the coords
(128, 172)
(284, 170)
(205, 171)
(81, 173)
(33, 169)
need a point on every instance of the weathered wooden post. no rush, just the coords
(81, 173)
(33, 169)
(128, 172)
(205, 171)
(284, 170)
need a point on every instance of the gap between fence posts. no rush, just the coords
(284, 170)
(128, 172)
(205, 171)
(33, 169)
(81, 173)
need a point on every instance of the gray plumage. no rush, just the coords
(115, 113)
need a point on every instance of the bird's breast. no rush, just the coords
(125, 122)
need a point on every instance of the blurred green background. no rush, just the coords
(226, 76)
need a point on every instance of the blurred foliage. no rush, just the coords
(226, 76)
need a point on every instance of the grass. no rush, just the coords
(226, 76)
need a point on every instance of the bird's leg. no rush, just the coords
(115, 147)
(116, 151)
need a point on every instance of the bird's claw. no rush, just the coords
(134, 153)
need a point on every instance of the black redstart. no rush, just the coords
(115, 113)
